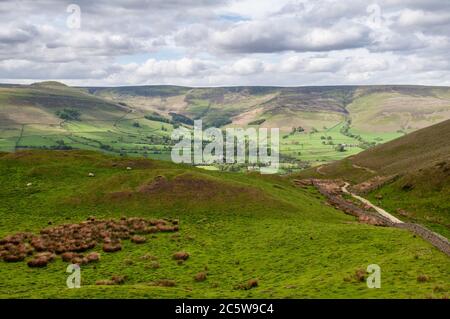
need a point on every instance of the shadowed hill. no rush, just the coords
(416, 150)
(224, 105)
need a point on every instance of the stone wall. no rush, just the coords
(438, 241)
(352, 209)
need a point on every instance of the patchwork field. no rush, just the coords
(317, 124)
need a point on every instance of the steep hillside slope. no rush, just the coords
(419, 149)
(235, 227)
(53, 115)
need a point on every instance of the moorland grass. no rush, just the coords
(235, 227)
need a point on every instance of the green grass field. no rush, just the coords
(311, 146)
(235, 227)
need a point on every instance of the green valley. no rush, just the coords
(317, 124)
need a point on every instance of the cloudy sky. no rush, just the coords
(225, 42)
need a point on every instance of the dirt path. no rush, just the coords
(319, 171)
(378, 209)
(364, 168)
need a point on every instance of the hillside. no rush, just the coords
(390, 108)
(235, 227)
(138, 120)
(52, 115)
(413, 172)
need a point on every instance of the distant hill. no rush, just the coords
(387, 107)
(314, 121)
(49, 84)
(34, 115)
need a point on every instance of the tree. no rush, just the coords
(69, 114)
(340, 148)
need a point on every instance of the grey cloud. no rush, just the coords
(187, 41)
(20, 69)
(15, 34)
(433, 5)
(275, 36)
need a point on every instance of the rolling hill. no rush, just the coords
(389, 108)
(237, 229)
(409, 176)
(138, 120)
(38, 116)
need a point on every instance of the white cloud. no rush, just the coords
(247, 66)
(420, 18)
(184, 67)
(229, 42)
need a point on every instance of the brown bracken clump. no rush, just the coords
(138, 239)
(181, 255)
(70, 240)
(201, 276)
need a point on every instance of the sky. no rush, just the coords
(225, 42)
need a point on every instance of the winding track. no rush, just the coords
(364, 168)
(378, 209)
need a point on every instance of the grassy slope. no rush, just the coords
(28, 119)
(397, 111)
(239, 226)
(422, 159)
